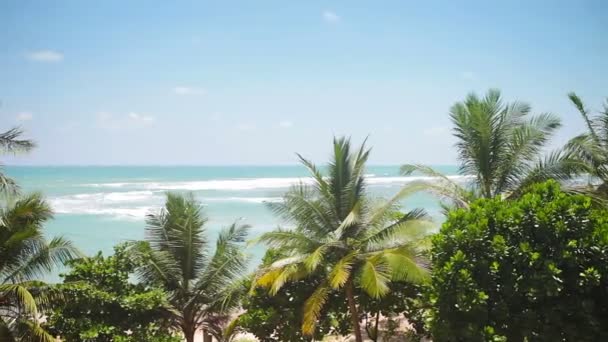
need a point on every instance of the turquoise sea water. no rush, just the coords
(97, 207)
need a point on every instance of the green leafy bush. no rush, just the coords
(279, 317)
(99, 303)
(532, 269)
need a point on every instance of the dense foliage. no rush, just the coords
(279, 317)
(591, 147)
(100, 303)
(25, 255)
(500, 144)
(516, 260)
(343, 236)
(203, 281)
(531, 269)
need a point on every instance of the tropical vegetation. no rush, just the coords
(529, 269)
(343, 236)
(123, 311)
(521, 256)
(203, 287)
(25, 254)
(591, 147)
(499, 145)
(11, 143)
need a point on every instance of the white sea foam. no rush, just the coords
(135, 213)
(243, 199)
(410, 179)
(128, 196)
(255, 183)
(131, 204)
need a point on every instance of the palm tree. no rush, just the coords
(202, 287)
(10, 143)
(500, 145)
(24, 255)
(343, 236)
(591, 147)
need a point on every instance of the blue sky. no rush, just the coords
(252, 82)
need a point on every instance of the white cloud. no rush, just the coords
(330, 17)
(184, 90)
(145, 119)
(24, 116)
(467, 75)
(286, 124)
(437, 131)
(110, 121)
(46, 56)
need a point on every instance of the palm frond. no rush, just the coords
(159, 268)
(578, 104)
(8, 185)
(23, 297)
(32, 331)
(289, 239)
(374, 276)
(556, 165)
(10, 142)
(411, 226)
(43, 257)
(341, 271)
(312, 308)
(227, 264)
(407, 264)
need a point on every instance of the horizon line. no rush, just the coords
(196, 165)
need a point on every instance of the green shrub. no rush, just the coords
(99, 303)
(279, 317)
(532, 269)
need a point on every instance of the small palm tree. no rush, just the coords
(202, 287)
(343, 236)
(10, 143)
(499, 145)
(591, 147)
(24, 255)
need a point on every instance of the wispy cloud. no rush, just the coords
(145, 119)
(330, 17)
(110, 121)
(45, 56)
(467, 75)
(24, 116)
(285, 124)
(185, 90)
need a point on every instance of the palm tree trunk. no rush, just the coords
(376, 327)
(352, 308)
(189, 330)
(207, 337)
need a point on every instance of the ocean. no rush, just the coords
(99, 206)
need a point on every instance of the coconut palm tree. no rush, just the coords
(591, 147)
(25, 255)
(343, 236)
(202, 287)
(11, 143)
(499, 145)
